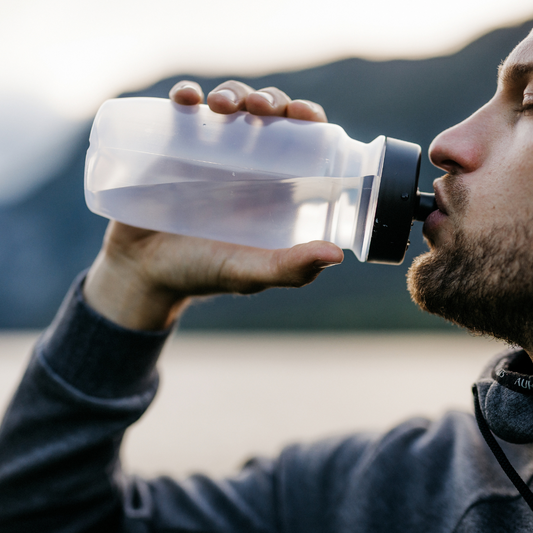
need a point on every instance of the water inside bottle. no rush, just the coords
(229, 204)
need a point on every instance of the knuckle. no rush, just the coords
(274, 91)
(235, 85)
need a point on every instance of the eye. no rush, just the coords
(526, 107)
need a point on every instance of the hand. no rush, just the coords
(143, 279)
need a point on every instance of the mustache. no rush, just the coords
(456, 191)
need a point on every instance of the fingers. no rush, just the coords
(269, 101)
(306, 110)
(232, 96)
(229, 97)
(187, 93)
(253, 270)
(301, 264)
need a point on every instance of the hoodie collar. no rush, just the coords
(506, 396)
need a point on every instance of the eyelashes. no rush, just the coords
(525, 109)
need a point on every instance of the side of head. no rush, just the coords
(479, 270)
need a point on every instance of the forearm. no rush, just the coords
(87, 382)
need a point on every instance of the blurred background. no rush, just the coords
(403, 69)
(248, 374)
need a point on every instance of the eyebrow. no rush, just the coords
(514, 73)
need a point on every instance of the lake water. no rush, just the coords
(224, 398)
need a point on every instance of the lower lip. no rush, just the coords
(435, 219)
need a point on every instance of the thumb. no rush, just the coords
(287, 267)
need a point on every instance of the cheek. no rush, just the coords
(519, 181)
(504, 194)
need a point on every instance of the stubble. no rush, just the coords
(480, 282)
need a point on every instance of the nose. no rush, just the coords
(461, 149)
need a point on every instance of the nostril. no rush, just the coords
(450, 165)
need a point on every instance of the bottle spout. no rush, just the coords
(426, 204)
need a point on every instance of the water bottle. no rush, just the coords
(268, 182)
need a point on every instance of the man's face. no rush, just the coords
(479, 270)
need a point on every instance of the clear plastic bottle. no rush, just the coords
(259, 181)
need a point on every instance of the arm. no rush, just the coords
(93, 371)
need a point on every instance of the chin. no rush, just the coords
(484, 284)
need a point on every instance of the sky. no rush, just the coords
(60, 59)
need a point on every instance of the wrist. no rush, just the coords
(116, 289)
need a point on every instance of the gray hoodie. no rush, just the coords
(89, 379)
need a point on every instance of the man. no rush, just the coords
(93, 374)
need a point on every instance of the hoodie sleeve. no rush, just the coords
(86, 382)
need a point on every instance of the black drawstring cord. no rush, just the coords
(507, 467)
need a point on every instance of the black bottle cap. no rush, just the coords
(399, 203)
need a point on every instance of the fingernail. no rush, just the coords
(228, 94)
(267, 96)
(178, 88)
(187, 86)
(310, 105)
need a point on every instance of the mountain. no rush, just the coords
(47, 238)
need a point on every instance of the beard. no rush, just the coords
(483, 283)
